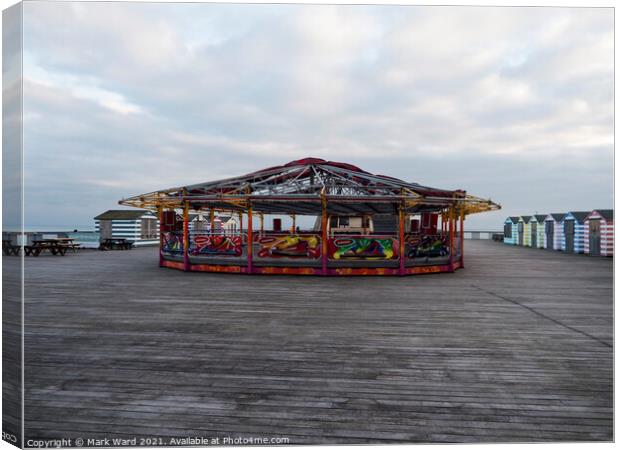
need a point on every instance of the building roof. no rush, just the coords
(607, 214)
(526, 219)
(558, 217)
(123, 214)
(540, 217)
(513, 219)
(579, 216)
(301, 187)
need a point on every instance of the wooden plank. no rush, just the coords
(516, 347)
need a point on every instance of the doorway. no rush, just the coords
(105, 230)
(595, 237)
(569, 235)
(549, 234)
(534, 227)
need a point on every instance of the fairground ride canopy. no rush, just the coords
(308, 185)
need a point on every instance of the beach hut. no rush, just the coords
(520, 231)
(525, 231)
(538, 230)
(138, 226)
(554, 231)
(574, 231)
(598, 237)
(222, 223)
(510, 230)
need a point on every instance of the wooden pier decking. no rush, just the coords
(515, 347)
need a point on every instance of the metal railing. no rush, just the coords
(476, 235)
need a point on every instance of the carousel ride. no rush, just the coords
(364, 224)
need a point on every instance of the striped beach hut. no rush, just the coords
(574, 227)
(599, 233)
(136, 225)
(510, 230)
(537, 225)
(554, 231)
(525, 231)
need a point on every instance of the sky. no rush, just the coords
(512, 104)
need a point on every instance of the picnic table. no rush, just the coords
(115, 244)
(10, 249)
(68, 243)
(56, 246)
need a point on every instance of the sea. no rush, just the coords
(87, 237)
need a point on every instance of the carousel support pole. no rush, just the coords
(324, 247)
(262, 223)
(451, 223)
(401, 239)
(160, 214)
(186, 265)
(250, 239)
(462, 235)
(293, 227)
(212, 220)
(240, 222)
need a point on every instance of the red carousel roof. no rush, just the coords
(301, 186)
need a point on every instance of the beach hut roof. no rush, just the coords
(526, 219)
(579, 216)
(558, 217)
(540, 217)
(607, 214)
(513, 219)
(123, 214)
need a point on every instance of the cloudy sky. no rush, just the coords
(514, 104)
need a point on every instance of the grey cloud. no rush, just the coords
(157, 95)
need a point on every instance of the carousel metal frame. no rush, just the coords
(314, 187)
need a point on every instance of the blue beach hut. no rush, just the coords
(574, 231)
(510, 230)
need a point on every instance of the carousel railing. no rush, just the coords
(308, 245)
(298, 245)
(363, 246)
(424, 247)
(172, 242)
(205, 243)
